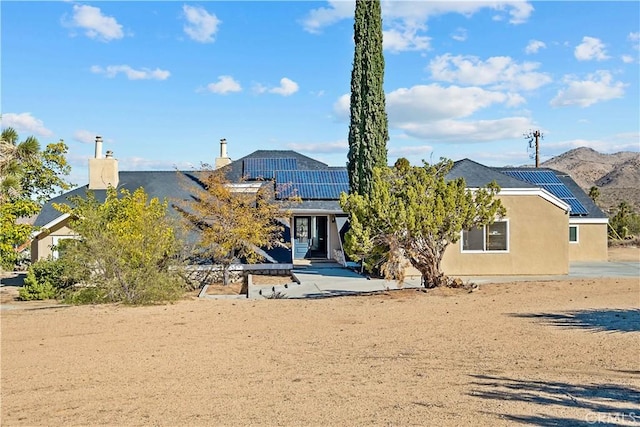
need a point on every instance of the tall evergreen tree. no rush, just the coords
(368, 133)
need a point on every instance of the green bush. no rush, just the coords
(625, 223)
(141, 287)
(34, 290)
(46, 279)
(128, 252)
(40, 283)
(85, 295)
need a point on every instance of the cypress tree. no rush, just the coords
(368, 133)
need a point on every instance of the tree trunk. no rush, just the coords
(429, 267)
(225, 274)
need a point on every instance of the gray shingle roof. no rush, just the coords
(160, 184)
(169, 184)
(476, 175)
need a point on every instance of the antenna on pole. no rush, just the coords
(534, 137)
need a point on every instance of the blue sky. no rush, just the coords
(162, 82)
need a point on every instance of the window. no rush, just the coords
(573, 234)
(490, 238)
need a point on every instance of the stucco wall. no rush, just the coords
(41, 246)
(592, 243)
(538, 243)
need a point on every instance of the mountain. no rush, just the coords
(617, 175)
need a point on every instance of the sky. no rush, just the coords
(163, 81)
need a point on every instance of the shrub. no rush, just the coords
(43, 280)
(128, 250)
(625, 223)
(34, 290)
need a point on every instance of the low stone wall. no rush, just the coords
(237, 272)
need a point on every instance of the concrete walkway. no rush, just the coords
(329, 280)
(326, 281)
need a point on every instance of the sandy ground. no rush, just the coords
(541, 353)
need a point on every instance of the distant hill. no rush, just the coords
(617, 175)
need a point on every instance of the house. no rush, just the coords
(550, 221)
(317, 219)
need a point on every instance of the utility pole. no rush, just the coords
(534, 137)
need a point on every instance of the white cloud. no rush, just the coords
(497, 72)
(468, 131)
(590, 49)
(85, 136)
(597, 87)
(132, 74)
(627, 59)
(409, 150)
(322, 17)
(411, 14)
(95, 24)
(435, 102)
(421, 11)
(341, 108)
(460, 34)
(405, 38)
(224, 85)
(634, 37)
(287, 87)
(201, 25)
(320, 147)
(534, 46)
(25, 123)
(433, 112)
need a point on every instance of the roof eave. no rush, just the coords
(45, 228)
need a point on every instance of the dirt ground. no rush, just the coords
(541, 353)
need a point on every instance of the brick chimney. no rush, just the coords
(103, 171)
(224, 159)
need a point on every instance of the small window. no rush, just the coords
(490, 238)
(573, 234)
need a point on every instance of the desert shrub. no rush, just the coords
(45, 280)
(35, 290)
(128, 250)
(138, 287)
(625, 223)
(85, 295)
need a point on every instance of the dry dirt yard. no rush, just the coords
(542, 353)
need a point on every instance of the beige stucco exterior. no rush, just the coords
(42, 243)
(537, 241)
(591, 244)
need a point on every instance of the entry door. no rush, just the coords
(318, 247)
(302, 236)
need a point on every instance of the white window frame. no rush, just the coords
(573, 242)
(54, 243)
(484, 241)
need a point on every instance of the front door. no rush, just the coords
(302, 236)
(318, 247)
(310, 237)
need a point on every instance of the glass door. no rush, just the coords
(302, 236)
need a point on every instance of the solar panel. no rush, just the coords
(264, 168)
(550, 182)
(311, 184)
